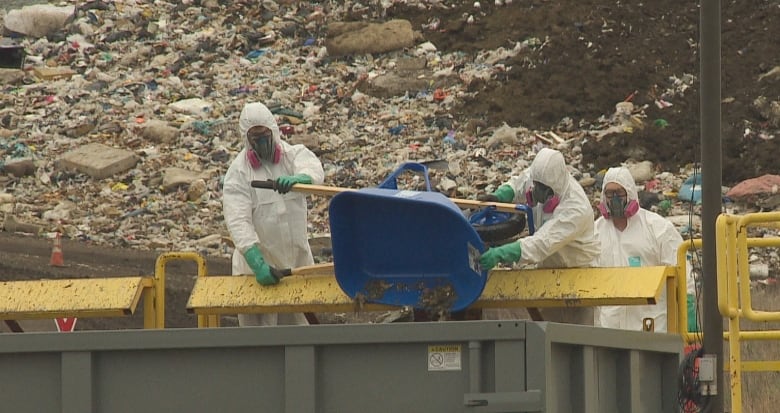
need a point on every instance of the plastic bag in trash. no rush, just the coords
(690, 191)
(38, 20)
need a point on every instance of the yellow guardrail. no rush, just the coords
(734, 293)
(679, 306)
(159, 278)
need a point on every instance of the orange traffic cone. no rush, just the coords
(56, 253)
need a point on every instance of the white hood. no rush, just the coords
(622, 177)
(257, 114)
(549, 168)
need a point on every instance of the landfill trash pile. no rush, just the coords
(120, 120)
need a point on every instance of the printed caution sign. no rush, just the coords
(65, 325)
(444, 357)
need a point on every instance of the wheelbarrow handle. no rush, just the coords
(391, 182)
(529, 217)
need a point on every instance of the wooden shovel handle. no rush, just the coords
(316, 269)
(334, 190)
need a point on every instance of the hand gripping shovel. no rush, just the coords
(306, 270)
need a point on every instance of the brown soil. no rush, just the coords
(599, 52)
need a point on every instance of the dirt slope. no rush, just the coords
(597, 53)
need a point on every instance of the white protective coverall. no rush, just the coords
(276, 222)
(563, 238)
(648, 240)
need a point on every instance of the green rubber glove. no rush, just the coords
(285, 183)
(504, 193)
(262, 271)
(507, 253)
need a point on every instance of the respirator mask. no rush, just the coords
(261, 140)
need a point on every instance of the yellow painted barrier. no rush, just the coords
(82, 297)
(319, 292)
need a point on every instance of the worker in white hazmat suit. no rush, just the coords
(268, 228)
(632, 236)
(563, 215)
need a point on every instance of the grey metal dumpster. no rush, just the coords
(479, 366)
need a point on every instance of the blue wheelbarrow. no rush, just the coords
(406, 248)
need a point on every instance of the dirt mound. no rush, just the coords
(587, 56)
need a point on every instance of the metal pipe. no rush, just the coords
(159, 278)
(709, 96)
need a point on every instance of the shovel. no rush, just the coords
(333, 190)
(305, 270)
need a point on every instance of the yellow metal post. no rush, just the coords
(735, 365)
(150, 312)
(681, 309)
(727, 265)
(159, 278)
(727, 253)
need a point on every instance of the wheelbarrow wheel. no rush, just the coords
(500, 231)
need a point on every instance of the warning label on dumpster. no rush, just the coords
(444, 357)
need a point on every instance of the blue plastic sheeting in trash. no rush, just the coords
(690, 191)
(405, 248)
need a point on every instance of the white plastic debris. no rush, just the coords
(38, 20)
(193, 106)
